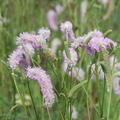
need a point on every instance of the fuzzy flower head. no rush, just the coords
(25, 38)
(96, 43)
(67, 29)
(44, 33)
(33, 41)
(45, 83)
(52, 19)
(19, 58)
(15, 58)
(80, 41)
(93, 42)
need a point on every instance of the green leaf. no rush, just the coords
(75, 88)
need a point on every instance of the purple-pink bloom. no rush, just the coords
(52, 17)
(80, 41)
(67, 29)
(45, 83)
(96, 43)
(93, 42)
(25, 38)
(18, 58)
(36, 41)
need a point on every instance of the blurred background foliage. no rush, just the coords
(29, 16)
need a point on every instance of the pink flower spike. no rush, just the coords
(45, 83)
(52, 19)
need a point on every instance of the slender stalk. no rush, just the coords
(19, 93)
(87, 103)
(70, 108)
(49, 114)
(109, 101)
(98, 85)
(103, 99)
(32, 101)
(108, 80)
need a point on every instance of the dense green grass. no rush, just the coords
(29, 16)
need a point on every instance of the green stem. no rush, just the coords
(32, 101)
(87, 104)
(49, 114)
(98, 85)
(19, 93)
(109, 101)
(103, 99)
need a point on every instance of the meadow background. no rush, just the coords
(29, 16)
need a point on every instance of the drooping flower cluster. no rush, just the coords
(27, 44)
(67, 29)
(93, 42)
(45, 83)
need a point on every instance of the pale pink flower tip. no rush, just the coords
(52, 17)
(67, 29)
